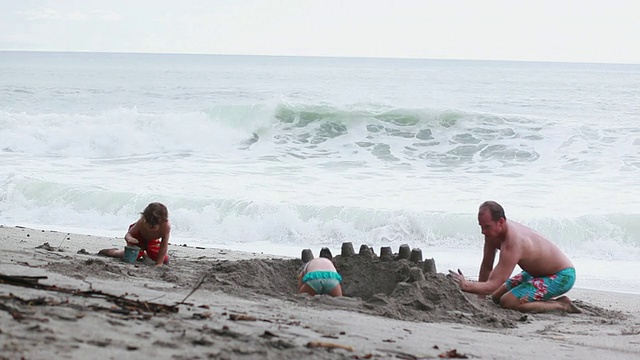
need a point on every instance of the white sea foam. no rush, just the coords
(291, 153)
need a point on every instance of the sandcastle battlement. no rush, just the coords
(414, 255)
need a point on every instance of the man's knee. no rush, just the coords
(509, 301)
(498, 294)
(495, 298)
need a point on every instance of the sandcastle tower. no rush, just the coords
(414, 256)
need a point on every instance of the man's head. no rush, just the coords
(492, 219)
(155, 214)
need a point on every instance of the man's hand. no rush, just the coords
(458, 277)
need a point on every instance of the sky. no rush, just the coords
(599, 31)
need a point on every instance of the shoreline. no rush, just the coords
(278, 324)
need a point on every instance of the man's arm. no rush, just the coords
(509, 257)
(489, 255)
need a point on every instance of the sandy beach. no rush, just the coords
(60, 299)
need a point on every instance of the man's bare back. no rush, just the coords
(538, 256)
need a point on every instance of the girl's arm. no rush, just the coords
(130, 236)
(164, 244)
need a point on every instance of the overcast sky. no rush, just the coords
(539, 30)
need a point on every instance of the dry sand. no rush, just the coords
(221, 304)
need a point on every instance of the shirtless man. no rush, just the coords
(150, 233)
(318, 277)
(547, 272)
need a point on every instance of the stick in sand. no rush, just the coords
(194, 289)
(63, 239)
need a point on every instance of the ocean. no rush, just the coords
(278, 154)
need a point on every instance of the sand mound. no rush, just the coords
(385, 288)
(399, 286)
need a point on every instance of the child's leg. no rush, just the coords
(336, 291)
(116, 253)
(153, 248)
(307, 289)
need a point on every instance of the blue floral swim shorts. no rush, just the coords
(528, 288)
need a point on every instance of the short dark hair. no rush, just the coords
(155, 214)
(495, 209)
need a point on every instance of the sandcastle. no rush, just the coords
(397, 285)
(414, 255)
(366, 274)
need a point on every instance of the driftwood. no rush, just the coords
(15, 280)
(328, 345)
(403, 355)
(126, 305)
(453, 354)
(242, 317)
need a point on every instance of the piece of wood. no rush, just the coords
(9, 279)
(124, 303)
(328, 345)
(452, 354)
(194, 289)
(242, 317)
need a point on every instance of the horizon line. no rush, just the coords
(319, 56)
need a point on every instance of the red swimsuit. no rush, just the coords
(152, 247)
